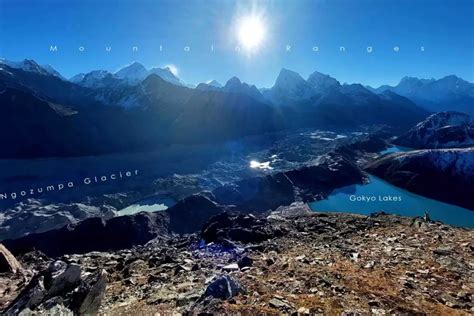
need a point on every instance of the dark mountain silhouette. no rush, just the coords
(45, 115)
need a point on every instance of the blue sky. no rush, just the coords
(445, 28)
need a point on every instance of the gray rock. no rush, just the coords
(280, 303)
(442, 251)
(32, 296)
(224, 287)
(231, 267)
(62, 277)
(245, 262)
(88, 297)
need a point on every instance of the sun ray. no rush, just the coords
(251, 32)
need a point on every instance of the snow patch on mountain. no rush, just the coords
(94, 78)
(321, 82)
(77, 78)
(214, 83)
(166, 74)
(447, 93)
(133, 73)
(457, 161)
(441, 130)
(31, 66)
(289, 87)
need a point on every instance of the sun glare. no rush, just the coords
(251, 32)
(174, 70)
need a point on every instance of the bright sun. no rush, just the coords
(251, 32)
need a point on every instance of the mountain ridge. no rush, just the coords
(447, 93)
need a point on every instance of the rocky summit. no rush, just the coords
(289, 261)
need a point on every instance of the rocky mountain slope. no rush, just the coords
(79, 124)
(442, 174)
(440, 130)
(287, 261)
(32, 216)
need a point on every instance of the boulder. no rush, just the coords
(224, 287)
(88, 297)
(61, 288)
(61, 277)
(29, 298)
(8, 262)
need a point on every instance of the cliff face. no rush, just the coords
(94, 234)
(287, 261)
(442, 174)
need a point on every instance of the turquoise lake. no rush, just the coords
(349, 200)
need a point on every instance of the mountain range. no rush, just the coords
(448, 93)
(440, 130)
(130, 74)
(137, 109)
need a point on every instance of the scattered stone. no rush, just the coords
(303, 311)
(300, 258)
(60, 289)
(280, 304)
(369, 265)
(312, 267)
(442, 251)
(269, 261)
(231, 267)
(245, 262)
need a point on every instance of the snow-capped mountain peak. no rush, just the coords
(130, 74)
(321, 82)
(214, 83)
(289, 78)
(31, 66)
(166, 74)
(235, 85)
(94, 78)
(211, 85)
(52, 71)
(440, 130)
(444, 119)
(77, 78)
(133, 72)
(289, 87)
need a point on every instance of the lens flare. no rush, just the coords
(251, 32)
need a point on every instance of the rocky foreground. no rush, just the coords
(287, 261)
